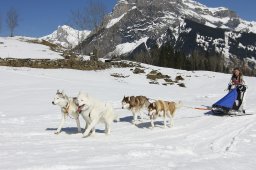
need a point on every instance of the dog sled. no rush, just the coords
(232, 103)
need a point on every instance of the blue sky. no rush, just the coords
(42, 17)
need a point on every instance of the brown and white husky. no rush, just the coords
(135, 104)
(163, 109)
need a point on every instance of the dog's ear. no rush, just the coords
(58, 91)
(79, 93)
(62, 91)
(83, 93)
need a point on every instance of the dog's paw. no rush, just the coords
(107, 133)
(57, 132)
(134, 122)
(85, 136)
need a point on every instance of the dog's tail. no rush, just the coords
(178, 105)
(111, 110)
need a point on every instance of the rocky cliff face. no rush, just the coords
(138, 25)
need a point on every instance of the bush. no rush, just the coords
(138, 71)
(179, 78)
(153, 75)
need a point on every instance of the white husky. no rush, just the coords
(68, 107)
(94, 112)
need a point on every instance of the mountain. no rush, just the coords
(66, 36)
(138, 26)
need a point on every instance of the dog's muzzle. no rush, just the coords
(53, 103)
(79, 109)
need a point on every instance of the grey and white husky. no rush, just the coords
(68, 107)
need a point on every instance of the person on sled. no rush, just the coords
(237, 81)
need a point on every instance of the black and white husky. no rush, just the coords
(68, 108)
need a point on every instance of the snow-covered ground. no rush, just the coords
(198, 140)
(18, 47)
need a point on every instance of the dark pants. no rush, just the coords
(240, 96)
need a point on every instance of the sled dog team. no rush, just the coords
(94, 111)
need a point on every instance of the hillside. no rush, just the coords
(198, 140)
(25, 47)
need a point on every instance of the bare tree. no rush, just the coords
(79, 21)
(96, 12)
(90, 17)
(12, 20)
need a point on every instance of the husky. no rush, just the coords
(95, 111)
(163, 109)
(68, 108)
(135, 104)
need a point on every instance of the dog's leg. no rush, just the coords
(86, 124)
(90, 127)
(78, 125)
(164, 121)
(152, 123)
(107, 128)
(134, 112)
(142, 116)
(63, 118)
(171, 121)
(93, 131)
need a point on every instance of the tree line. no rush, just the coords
(167, 56)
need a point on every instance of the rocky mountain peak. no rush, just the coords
(66, 36)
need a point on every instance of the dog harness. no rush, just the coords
(66, 108)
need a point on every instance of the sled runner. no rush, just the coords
(231, 103)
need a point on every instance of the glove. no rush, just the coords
(241, 88)
(229, 87)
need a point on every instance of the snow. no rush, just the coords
(114, 21)
(210, 24)
(207, 13)
(227, 47)
(18, 47)
(128, 47)
(66, 36)
(85, 57)
(198, 141)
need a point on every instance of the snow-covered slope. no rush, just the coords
(66, 36)
(198, 140)
(20, 47)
